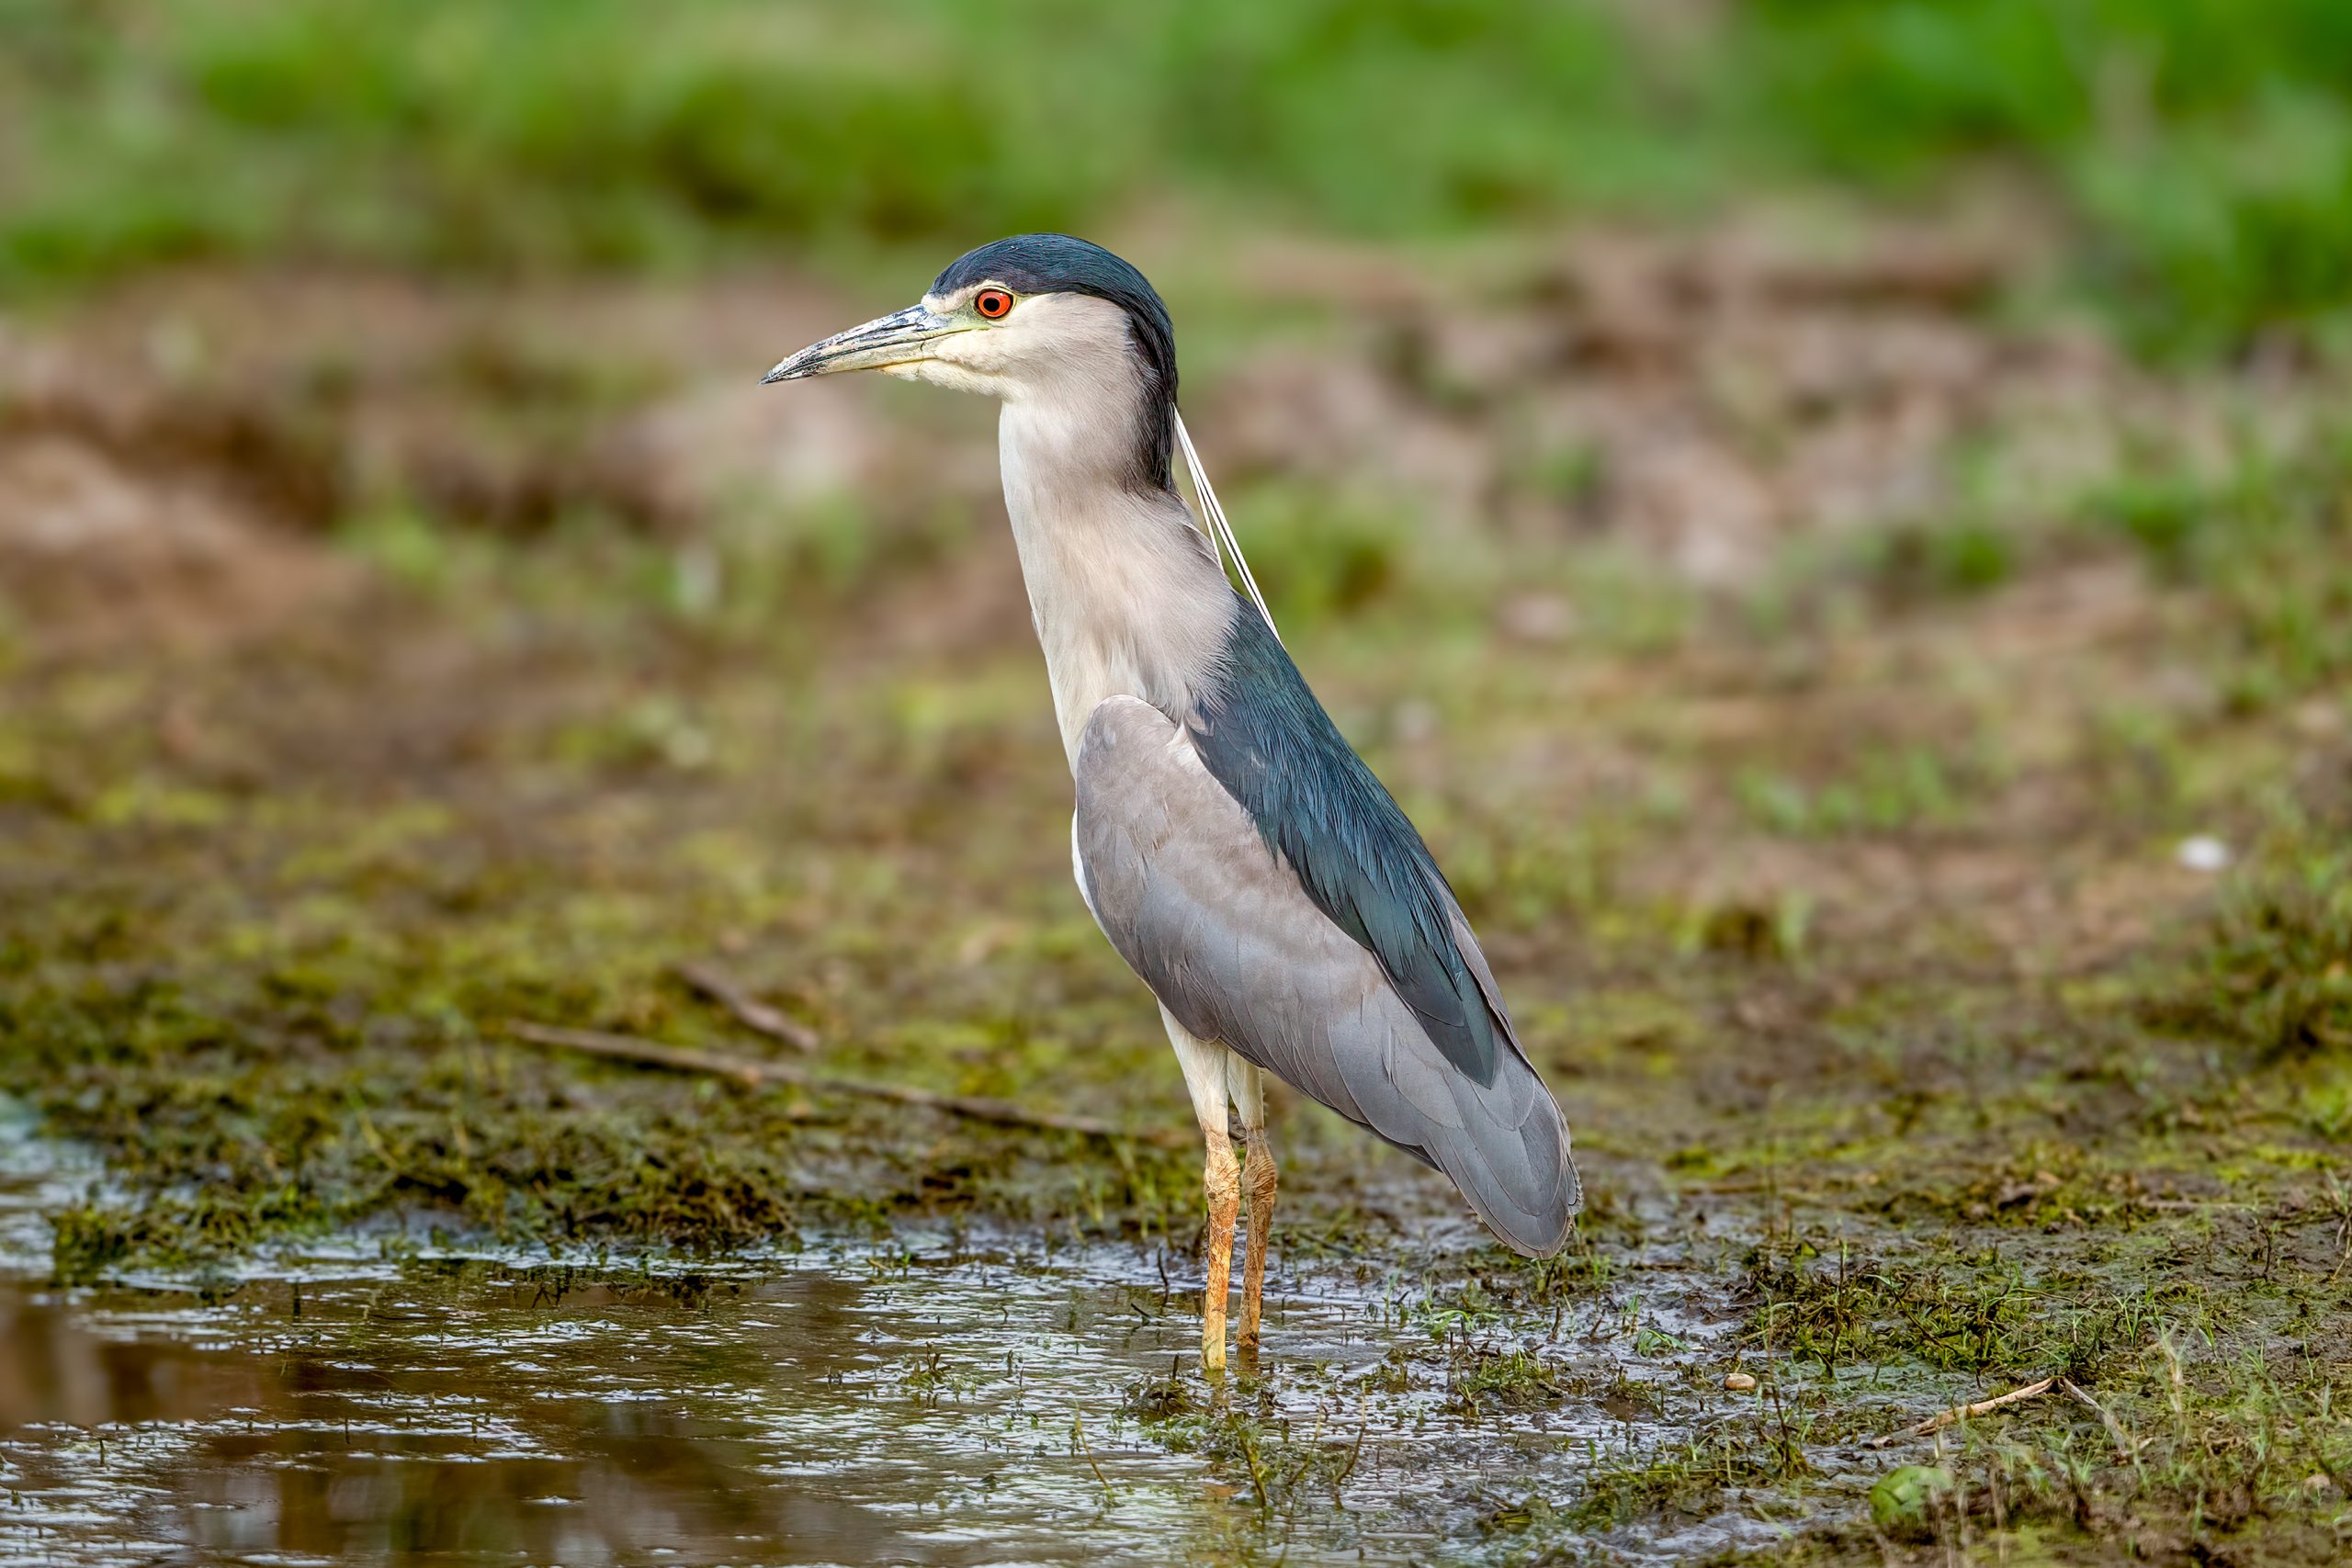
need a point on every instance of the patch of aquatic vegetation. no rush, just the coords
(1951, 1310)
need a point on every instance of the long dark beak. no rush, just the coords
(900, 339)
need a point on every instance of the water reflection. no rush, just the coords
(850, 1404)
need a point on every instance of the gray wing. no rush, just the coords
(1184, 886)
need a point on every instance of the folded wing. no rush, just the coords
(1222, 927)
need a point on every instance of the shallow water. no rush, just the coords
(943, 1398)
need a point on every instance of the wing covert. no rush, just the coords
(1222, 930)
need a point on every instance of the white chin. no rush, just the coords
(954, 377)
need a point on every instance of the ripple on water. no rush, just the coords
(935, 1400)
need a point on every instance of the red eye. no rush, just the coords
(993, 303)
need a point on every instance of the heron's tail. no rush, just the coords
(1505, 1144)
(1509, 1155)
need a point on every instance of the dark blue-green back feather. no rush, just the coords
(1267, 740)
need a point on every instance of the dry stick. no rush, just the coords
(752, 1075)
(646, 1052)
(2126, 1451)
(1943, 1418)
(750, 1012)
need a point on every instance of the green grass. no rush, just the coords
(2203, 146)
(1973, 1313)
(2263, 551)
(2201, 150)
(2276, 971)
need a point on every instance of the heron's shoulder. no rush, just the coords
(1132, 750)
(1122, 720)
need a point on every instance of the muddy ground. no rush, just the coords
(1893, 745)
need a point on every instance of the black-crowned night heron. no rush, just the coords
(1236, 851)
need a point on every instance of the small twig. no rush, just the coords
(1775, 1190)
(754, 1074)
(646, 1052)
(1078, 1427)
(2126, 1451)
(1257, 1471)
(1355, 1452)
(1943, 1418)
(750, 1012)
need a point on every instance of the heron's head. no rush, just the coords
(1043, 320)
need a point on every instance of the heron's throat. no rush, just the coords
(1123, 588)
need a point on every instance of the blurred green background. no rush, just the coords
(2201, 151)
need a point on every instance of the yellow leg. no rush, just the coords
(1248, 1086)
(1205, 1077)
(1221, 1184)
(1258, 1180)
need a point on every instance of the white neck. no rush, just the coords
(1124, 589)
